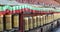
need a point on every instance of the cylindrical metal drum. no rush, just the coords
(55, 16)
(52, 17)
(26, 27)
(1, 22)
(16, 21)
(38, 20)
(49, 18)
(34, 22)
(42, 21)
(59, 15)
(30, 21)
(8, 21)
(46, 19)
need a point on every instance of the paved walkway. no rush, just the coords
(57, 30)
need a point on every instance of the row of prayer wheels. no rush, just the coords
(39, 20)
(11, 21)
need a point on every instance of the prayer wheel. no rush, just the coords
(16, 21)
(30, 21)
(42, 21)
(49, 18)
(55, 16)
(46, 19)
(26, 24)
(1, 23)
(34, 21)
(8, 22)
(38, 20)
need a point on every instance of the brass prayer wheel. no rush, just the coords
(38, 20)
(42, 21)
(16, 21)
(30, 22)
(1, 22)
(34, 21)
(26, 24)
(8, 21)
